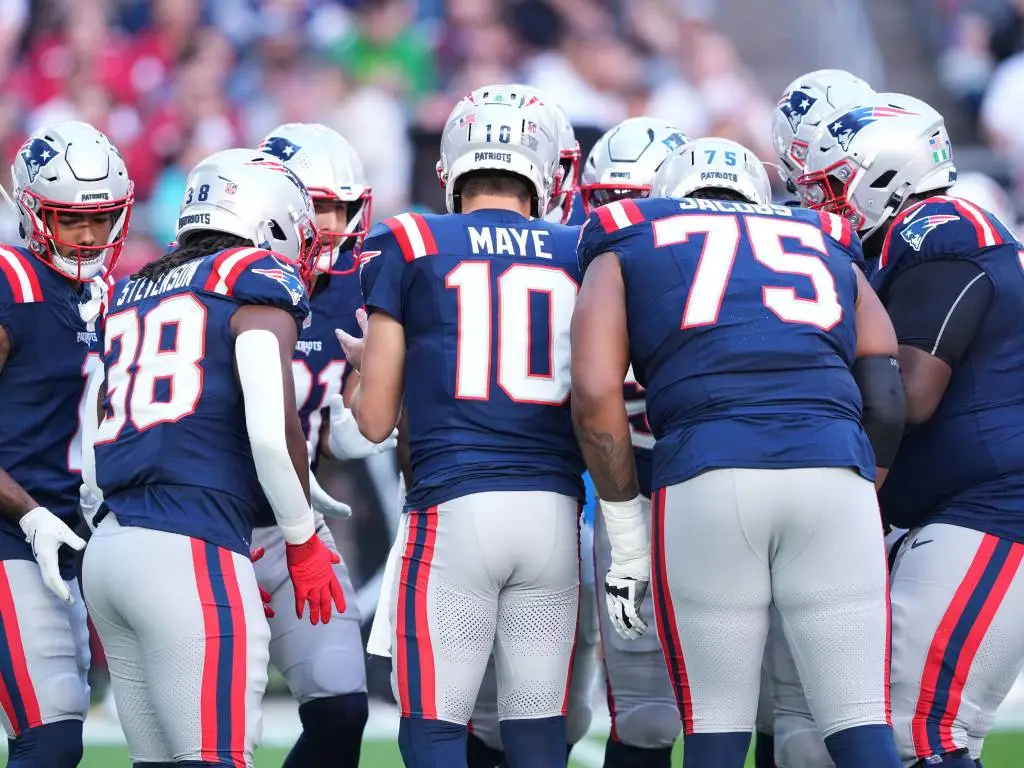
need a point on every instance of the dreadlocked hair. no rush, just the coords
(197, 245)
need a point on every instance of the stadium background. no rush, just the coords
(171, 81)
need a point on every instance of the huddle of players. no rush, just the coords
(784, 429)
(770, 373)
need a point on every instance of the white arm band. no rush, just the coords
(258, 357)
(627, 534)
(90, 425)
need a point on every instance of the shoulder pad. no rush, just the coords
(412, 233)
(619, 214)
(18, 274)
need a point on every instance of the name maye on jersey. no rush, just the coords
(509, 241)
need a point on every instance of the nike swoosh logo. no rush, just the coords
(919, 543)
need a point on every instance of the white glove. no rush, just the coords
(623, 596)
(346, 441)
(625, 585)
(46, 533)
(89, 503)
(322, 502)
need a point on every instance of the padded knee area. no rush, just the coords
(801, 748)
(649, 726)
(54, 745)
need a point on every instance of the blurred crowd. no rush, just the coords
(171, 81)
(981, 61)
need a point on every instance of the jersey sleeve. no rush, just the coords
(382, 265)
(19, 287)
(261, 278)
(939, 306)
(840, 233)
(607, 230)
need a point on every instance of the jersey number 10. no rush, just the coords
(474, 361)
(722, 235)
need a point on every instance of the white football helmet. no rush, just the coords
(65, 168)
(500, 128)
(331, 170)
(804, 103)
(864, 162)
(624, 161)
(713, 163)
(252, 195)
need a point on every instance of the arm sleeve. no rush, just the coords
(258, 357)
(938, 306)
(381, 273)
(274, 282)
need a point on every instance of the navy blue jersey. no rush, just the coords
(964, 466)
(485, 299)
(639, 431)
(741, 323)
(42, 386)
(172, 452)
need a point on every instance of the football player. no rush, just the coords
(324, 666)
(950, 276)
(786, 734)
(756, 337)
(73, 199)
(469, 318)
(484, 745)
(645, 721)
(199, 434)
(804, 104)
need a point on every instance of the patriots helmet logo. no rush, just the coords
(287, 277)
(795, 107)
(36, 154)
(279, 147)
(917, 230)
(853, 122)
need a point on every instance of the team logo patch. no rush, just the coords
(36, 154)
(916, 231)
(853, 122)
(288, 279)
(279, 147)
(795, 106)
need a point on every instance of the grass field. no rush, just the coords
(1002, 750)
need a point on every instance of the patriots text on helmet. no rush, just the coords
(501, 157)
(193, 218)
(719, 176)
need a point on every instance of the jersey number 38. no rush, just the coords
(166, 345)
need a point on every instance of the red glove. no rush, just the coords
(310, 567)
(265, 596)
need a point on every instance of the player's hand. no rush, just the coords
(624, 594)
(322, 502)
(47, 533)
(89, 504)
(346, 441)
(265, 597)
(310, 566)
(352, 346)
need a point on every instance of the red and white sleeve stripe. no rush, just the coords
(229, 266)
(619, 215)
(21, 276)
(413, 235)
